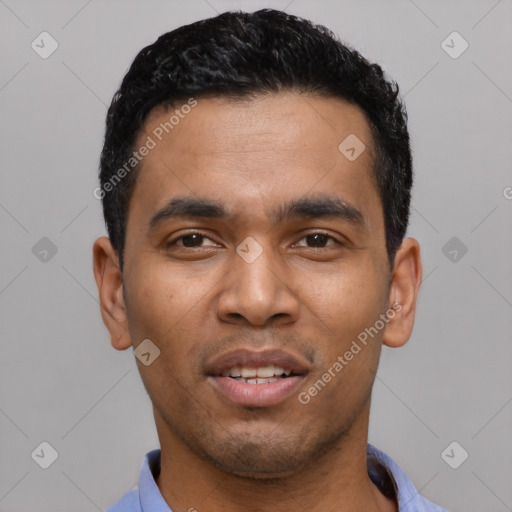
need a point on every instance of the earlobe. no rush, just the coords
(109, 281)
(403, 293)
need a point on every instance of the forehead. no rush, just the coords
(257, 152)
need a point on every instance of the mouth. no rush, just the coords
(257, 379)
(262, 375)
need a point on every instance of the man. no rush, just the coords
(256, 178)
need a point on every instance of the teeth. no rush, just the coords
(234, 372)
(264, 372)
(256, 381)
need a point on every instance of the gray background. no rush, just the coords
(61, 382)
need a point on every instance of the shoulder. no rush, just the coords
(145, 495)
(128, 503)
(409, 499)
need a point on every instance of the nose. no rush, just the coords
(258, 292)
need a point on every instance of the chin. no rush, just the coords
(267, 457)
(259, 462)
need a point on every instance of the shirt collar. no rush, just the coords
(408, 498)
(151, 500)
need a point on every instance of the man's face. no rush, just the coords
(260, 285)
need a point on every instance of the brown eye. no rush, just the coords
(318, 241)
(191, 240)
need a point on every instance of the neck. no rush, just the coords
(337, 481)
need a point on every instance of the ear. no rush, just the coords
(405, 284)
(110, 288)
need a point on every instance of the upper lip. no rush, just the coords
(244, 358)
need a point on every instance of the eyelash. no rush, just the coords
(174, 240)
(204, 235)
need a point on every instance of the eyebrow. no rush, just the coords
(184, 206)
(306, 207)
(319, 207)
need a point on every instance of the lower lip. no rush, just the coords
(257, 395)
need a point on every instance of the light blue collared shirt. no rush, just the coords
(146, 497)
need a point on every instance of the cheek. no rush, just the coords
(347, 300)
(161, 308)
(357, 301)
(160, 297)
(169, 306)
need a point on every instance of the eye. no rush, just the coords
(197, 239)
(193, 239)
(318, 240)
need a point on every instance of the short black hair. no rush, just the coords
(238, 54)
